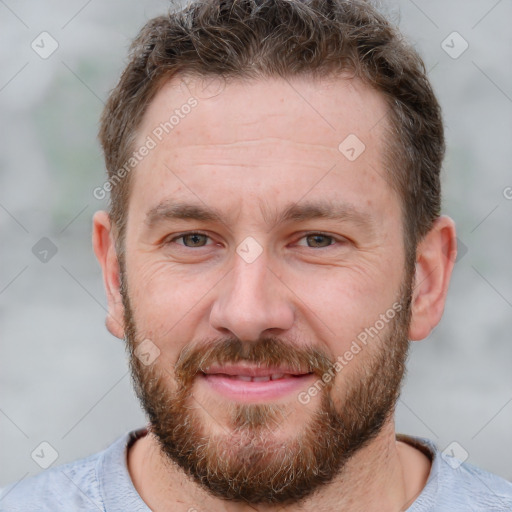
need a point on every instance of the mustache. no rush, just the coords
(265, 352)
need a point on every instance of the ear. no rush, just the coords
(435, 257)
(104, 248)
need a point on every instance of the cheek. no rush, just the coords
(340, 303)
(165, 298)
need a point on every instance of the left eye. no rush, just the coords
(318, 240)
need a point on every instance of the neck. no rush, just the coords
(384, 476)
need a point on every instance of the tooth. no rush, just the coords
(247, 378)
(261, 379)
(276, 376)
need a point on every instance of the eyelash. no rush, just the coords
(312, 233)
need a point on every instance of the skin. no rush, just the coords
(249, 150)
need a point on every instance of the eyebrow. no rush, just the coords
(294, 212)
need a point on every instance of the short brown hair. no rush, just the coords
(284, 38)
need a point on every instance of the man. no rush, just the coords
(273, 244)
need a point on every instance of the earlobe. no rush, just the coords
(104, 248)
(435, 257)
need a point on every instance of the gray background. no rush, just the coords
(64, 379)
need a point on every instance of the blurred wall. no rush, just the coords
(64, 378)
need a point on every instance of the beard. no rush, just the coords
(244, 460)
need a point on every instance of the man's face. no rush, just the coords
(249, 308)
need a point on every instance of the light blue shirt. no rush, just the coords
(101, 482)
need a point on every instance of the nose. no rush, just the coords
(251, 300)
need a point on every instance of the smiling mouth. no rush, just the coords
(254, 384)
(261, 378)
(252, 373)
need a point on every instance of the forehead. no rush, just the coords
(272, 138)
(328, 109)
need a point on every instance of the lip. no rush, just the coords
(251, 370)
(231, 381)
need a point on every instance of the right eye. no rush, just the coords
(191, 240)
